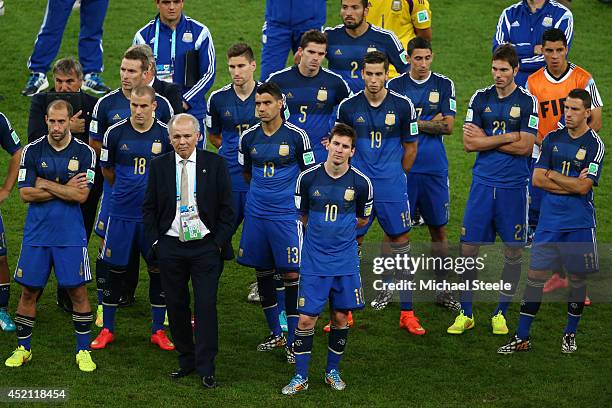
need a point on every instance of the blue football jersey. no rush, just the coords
(130, 152)
(332, 206)
(431, 96)
(345, 53)
(9, 140)
(381, 131)
(229, 116)
(568, 156)
(312, 102)
(517, 112)
(274, 163)
(55, 222)
(114, 107)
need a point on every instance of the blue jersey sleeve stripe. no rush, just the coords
(93, 153)
(210, 72)
(105, 140)
(370, 189)
(277, 73)
(390, 34)
(25, 149)
(499, 34)
(302, 174)
(601, 147)
(303, 134)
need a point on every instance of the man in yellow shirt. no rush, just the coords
(406, 18)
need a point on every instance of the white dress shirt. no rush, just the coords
(191, 173)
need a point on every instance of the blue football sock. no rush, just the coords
(303, 350)
(511, 274)
(82, 329)
(5, 293)
(291, 293)
(575, 304)
(267, 296)
(532, 299)
(337, 343)
(280, 293)
(24, 324)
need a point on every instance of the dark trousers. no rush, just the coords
(201, 262)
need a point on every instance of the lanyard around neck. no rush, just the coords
(156, 43)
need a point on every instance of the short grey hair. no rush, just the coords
(68, 65)
(194, 121)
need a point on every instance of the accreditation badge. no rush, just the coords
(581, 154)
(390, 119)
(156, 148)
(349, 194)
(434, 97)
(164, 72)
(322, 95)
(73, 165)
(396, 5)
(192, 228)
(283, 150)
(515, 112)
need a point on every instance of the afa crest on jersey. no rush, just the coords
(349, 194)
(390, 119)
(515, 112)
(581, 154)
(434, 97)
(73, 165)
(322, 95)
(156, 148)
(283, 150)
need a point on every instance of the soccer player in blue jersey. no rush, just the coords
(272, 153)
(9, 140)
(312, 92)
(127, 151)
(334, 198)
(501, 124)
(387, 130)
(348, 42)
(231, 111)
(109, 110)
(433, 96)
(568, 168)
(55, 175)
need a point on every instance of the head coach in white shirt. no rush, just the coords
(188, 217)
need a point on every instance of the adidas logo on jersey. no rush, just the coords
(487, 110)
(124, 147)
(289, 95)
(43, 165)
(515, 24)
(360, 119)
(253, 151)
(338, 52)
(555, 149)
(116, 117)
(227, 114)
(316, 194)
